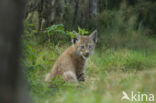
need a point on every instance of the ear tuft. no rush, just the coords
(93, 36)
(75, 39)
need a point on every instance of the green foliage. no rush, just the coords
(146, 11)
(57, 82)
(72, 34)
(120, 29)
(29, 30)
(59, 28)
(81, 32)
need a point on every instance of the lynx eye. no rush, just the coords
(90, 46)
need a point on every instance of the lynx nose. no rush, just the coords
(86, 54)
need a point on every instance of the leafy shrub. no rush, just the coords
(120, 28)
(59, 28)
(74, 33)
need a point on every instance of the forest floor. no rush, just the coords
(109, 73)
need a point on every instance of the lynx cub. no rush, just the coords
(70, 65)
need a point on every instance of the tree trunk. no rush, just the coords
(72, 13)
(12, 83)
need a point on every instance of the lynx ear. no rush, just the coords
(75, 39)
(93, 36)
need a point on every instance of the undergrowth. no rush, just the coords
(109, 72)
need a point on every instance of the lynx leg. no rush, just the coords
(69, 76)
(47, 77)
(82, 77)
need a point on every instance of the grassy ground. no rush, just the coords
(109, 72)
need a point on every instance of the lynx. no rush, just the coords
(70, 65)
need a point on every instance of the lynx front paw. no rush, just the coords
(82, 77)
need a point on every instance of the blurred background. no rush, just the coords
(124, 59)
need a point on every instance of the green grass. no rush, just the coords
(109, 72)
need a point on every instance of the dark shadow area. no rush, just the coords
(12, 84)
